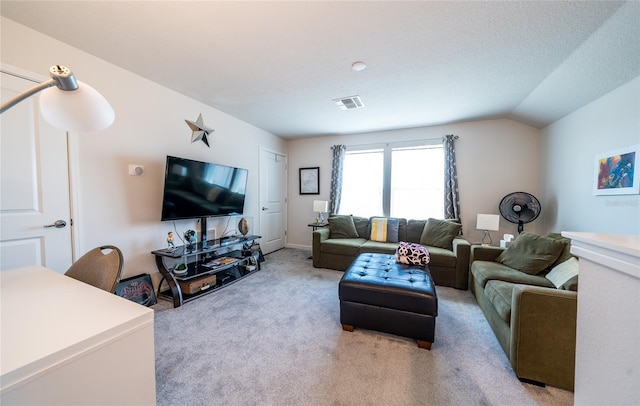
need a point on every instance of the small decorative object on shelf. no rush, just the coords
(170, 245)
(243, 226)
(181, 269)
(189, 238)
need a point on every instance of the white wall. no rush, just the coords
(570, 146)
(113, 207)
(495, 157)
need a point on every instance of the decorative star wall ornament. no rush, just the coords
(200, 131)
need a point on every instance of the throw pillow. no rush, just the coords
(531, 253)
(414, 230)
(440, 233)
(342, 227)
(566, 252)
(362, 226)
(384, 229)
(563, 273)
(412, 254)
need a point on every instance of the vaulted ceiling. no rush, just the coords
(279, 65)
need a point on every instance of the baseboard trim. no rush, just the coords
(298, 246)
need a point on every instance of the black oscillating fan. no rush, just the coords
(520, 208)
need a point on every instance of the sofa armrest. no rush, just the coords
(484, 253)
(543, 335)
(318, 236)
(321, 234)
(461, 249)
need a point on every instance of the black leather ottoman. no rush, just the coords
(377, 293)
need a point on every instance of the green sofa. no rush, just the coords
(534, 321)
(449, 262)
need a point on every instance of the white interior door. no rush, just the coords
(273, 200)
(34, 185)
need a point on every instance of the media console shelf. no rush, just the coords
(228, 259)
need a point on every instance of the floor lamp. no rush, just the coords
(68, 104)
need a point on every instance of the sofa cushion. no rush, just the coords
(499, 294)
(571, 284)
(378, 247)
(531, 253)
(441, 257)
(342, 227)
(485, 271)
(565, 275)
(440, 233)
(384, 229)
(342, 246)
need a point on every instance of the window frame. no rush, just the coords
(387, 150)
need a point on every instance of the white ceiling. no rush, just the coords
(278, 65)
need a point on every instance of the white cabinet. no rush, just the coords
(64, 342)
(608, 326)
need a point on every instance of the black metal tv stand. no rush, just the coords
(230, 260)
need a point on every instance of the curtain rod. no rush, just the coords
(455, 137)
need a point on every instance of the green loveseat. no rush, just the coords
(449, 262)
(534, 321)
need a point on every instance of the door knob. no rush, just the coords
(57, 224)
(265, 208)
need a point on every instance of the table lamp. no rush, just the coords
(488, 222)
(320, 206)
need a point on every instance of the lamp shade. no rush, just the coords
(488, 222)
(82, 110)
(321, 206)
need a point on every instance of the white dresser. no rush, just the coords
(64, 342)
(608, 326)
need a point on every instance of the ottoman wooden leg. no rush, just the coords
(424, 344)
(347, 327)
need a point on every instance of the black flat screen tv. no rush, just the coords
(195, 189)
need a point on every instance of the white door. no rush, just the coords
(34, 185)
(273, 200)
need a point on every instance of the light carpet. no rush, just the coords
(274, 338)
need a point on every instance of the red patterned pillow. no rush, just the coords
(412, 254)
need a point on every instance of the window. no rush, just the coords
(396, 180)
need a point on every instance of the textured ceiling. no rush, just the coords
(279, 65)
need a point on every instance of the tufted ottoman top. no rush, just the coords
(378, 280)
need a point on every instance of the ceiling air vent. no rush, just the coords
(348, 103)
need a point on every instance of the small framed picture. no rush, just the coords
(616, 172)
(310, 181)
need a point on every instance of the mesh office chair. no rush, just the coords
(101, 267)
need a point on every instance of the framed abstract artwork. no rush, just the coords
(310, 181)
(616, 172)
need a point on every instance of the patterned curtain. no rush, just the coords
(451, 194)
(339, 151)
